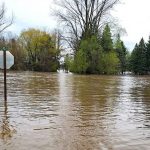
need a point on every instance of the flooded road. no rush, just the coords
(47, 111)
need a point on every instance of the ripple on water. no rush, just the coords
(66, 111)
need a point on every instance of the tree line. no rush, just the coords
(87, 26)
(34, 50)
(140, 58)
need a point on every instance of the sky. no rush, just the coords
(133, 15)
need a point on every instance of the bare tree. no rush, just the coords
(83, 18)
(4, 22)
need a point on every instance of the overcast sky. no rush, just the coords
(133, 15)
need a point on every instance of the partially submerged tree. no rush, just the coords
(41, 50)
(106, 40)
(121, 53)
(138, 58)
(148, 56)
(18, 53)
(83, 18)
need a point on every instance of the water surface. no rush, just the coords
(47, 111)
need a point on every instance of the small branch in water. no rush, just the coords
(42, 128)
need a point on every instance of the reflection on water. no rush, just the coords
(73, 112)
(6, 130)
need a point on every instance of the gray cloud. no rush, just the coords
(133, 15)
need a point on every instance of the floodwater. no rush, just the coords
(47, 111)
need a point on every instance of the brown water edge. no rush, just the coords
(48, 111)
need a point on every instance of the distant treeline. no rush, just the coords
(38, 50)
(113, 58)
(140, 58)
(34, 50)
(87, 27)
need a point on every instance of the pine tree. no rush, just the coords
(134, 62)
(121, 53)
(106, 42)
(138, 59)
(142, 57)
(148, 55)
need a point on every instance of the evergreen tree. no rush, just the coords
(106, 41)
(134, 61)
(142, 57)
(110, 63)
(96, 55)
(88, 57)
(128, 59)
(138, 59)
(121, 53)
(148, 55)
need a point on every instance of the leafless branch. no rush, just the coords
(83, 17)
(4, 22)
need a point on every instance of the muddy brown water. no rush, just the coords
(58, 111)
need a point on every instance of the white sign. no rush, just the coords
(9, 60)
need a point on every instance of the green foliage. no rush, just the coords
(138, 59)
(19, 55)
(92, 58)
(80, 62)
(128, 60)
(134, 61)
(121, 53)
(142, 52)
(110, 63)
(87, 58)
(148, 55)
(106, 41)
(13, 46)
(42, 54)
(68, 63)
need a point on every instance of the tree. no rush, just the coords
(4, 22)
(142, 57)
(42, 54)
(138, 58)
(134, 59)
(84, 21)
(18, 53)
(83, 18)
(80, 62)
(107, 43)
(92, 59)
(128, 60)
(88, 58)
(148, 55)
(121, 53)
(110, 63)
(67, 66)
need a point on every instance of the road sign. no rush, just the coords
(9, 60)
(6, 61)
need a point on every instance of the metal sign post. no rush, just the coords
(6, 61)
(5, 80)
